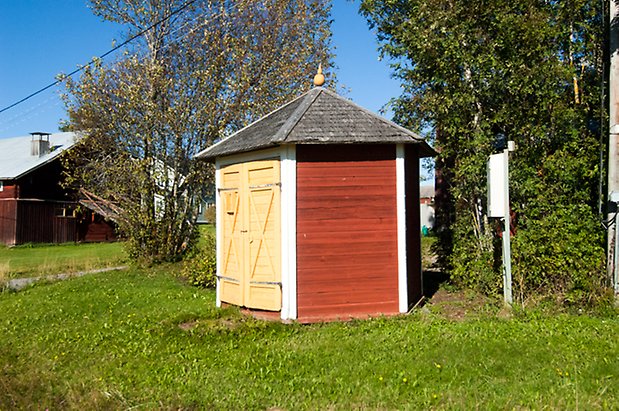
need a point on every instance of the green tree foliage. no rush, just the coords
(193, 78)
(530, 70)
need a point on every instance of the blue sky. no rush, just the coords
(41, 38)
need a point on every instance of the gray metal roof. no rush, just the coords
(15, 158)
(426, 191)
(319, 116)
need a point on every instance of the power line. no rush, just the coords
(29, 112)
(183, 7)
(40, 107)
(191, 22)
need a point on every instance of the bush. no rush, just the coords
(473, 262)
(200, 269)
(557, 256)
(560, 254)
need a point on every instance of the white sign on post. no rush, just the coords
(498, 206)
(496, 185)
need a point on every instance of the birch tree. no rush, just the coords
(204, 69)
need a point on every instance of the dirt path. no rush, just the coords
(17, 284)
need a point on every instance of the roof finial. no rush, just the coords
(319, 78)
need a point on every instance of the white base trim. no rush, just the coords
(400, 172)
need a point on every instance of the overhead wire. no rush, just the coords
(41, 107)
(29, 113)
(168, 44)
(101, 57)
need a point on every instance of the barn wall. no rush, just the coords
(8, 190)
(346, 231)
(98, 231)
(38, 222)
(29, 221)
(44, 183)
(8, 217)
(413, 225)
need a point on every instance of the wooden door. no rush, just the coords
(263, 285)
(231, 261)
(251, 229)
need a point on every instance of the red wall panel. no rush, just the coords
(37, 223)
(8, 217)
(346, 231)
(8, 190)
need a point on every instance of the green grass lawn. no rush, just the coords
(206, 228)
(142, 339)
(33, 260)
(36, 260)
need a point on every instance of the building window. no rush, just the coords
(65, 212)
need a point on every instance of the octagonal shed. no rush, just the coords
(318, 212)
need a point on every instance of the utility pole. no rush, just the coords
(613, 146)
(507, 226)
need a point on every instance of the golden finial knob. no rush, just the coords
(319, 78)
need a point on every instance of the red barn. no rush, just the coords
(34, 208)
(318, 212)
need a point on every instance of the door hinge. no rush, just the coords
(265, 186)
(266, 283)
(234, 280)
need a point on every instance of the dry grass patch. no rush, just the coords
(461, 305)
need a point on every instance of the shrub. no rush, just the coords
(560, 254)
(200, 269)
(473, 261)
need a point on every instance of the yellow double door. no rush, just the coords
(250, 254)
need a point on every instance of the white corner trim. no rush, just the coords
(289, 231)
(400, 172)
(218, 230)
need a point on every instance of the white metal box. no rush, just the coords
(497, 180)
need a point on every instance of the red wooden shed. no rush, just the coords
(318, 212)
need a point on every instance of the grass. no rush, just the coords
(141, 339)
(204, 230)
(35, 260)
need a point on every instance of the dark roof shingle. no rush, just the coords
(317, 117)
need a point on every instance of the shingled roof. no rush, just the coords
(319, 116)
